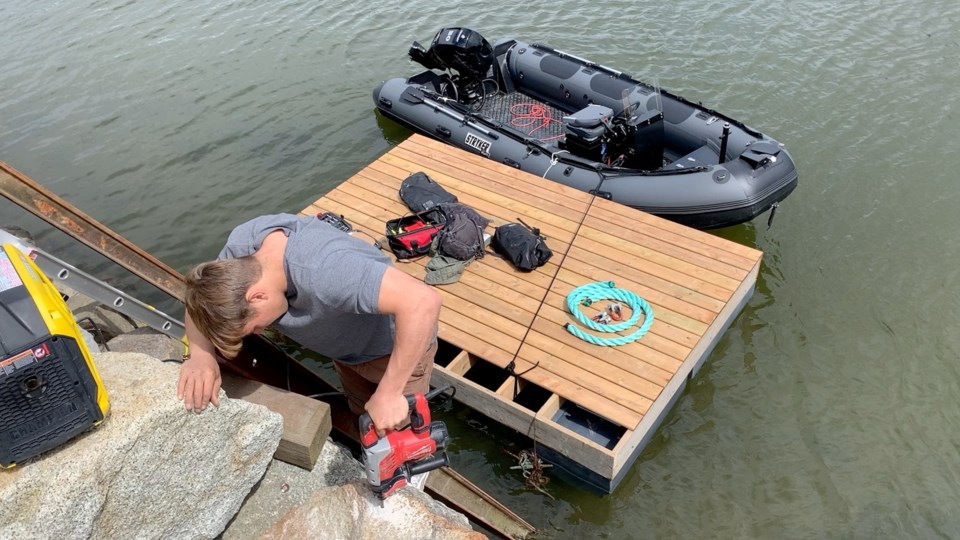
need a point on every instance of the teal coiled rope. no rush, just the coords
(605, 290)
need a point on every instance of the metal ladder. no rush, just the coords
(60, 271)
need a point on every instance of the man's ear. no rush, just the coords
(256, 295)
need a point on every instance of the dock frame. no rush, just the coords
(503, 344)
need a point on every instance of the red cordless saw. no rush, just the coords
(393, 459)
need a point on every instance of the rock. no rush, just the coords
(353, 511)
(107, 322)
(148, 341)
(293, 503)
(285, 486)
(19, 232)
(151, 470)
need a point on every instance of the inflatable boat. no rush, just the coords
(590, 127)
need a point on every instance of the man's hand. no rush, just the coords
(199, 382)
(388, 411)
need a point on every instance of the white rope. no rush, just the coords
(554, 158)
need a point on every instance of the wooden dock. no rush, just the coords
(590, 408)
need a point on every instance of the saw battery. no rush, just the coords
(50, 390)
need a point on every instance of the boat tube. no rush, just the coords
(590, 127)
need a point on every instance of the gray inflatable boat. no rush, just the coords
(590, 127)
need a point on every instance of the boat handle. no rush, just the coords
(386, 102)
(511, 163)
(444, 131)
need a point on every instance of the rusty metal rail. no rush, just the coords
(33, 198)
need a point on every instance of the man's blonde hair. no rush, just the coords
(216, 299)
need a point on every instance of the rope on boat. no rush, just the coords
(605, 290)
(554, 159)
(532, 114)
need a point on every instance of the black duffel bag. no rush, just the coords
(524, 247)
(420, 192)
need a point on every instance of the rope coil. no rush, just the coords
(605, 290)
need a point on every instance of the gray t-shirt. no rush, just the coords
(333, 286)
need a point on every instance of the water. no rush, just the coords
(830, 407)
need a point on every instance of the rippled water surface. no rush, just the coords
(829, 409)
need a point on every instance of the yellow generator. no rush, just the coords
(49, 387)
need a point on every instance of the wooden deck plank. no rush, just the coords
(650, 231)
(359, 203)
(639, 377)
(589, 236)
(612, 254)
(690, 235)
(680, 256)
(629, 446)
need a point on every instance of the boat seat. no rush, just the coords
(587, 123)
(701, 157)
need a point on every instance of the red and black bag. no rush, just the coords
(411, 236)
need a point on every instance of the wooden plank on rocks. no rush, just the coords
(306, 421)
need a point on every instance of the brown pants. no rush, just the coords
(361, 380)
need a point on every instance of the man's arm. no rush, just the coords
(199, 374)
(415, 307)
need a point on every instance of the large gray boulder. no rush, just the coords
(352, 511)
(151, 470)
(334, 501)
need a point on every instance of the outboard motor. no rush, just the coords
(462, 50)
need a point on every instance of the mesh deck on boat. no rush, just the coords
(526, 114)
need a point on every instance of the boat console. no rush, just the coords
(594, 133)
(584, 131)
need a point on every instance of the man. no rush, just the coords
(327, 290)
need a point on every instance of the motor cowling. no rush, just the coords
(461, 50)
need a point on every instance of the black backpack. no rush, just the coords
(462, 234)
(419, 192)
(524, 247)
